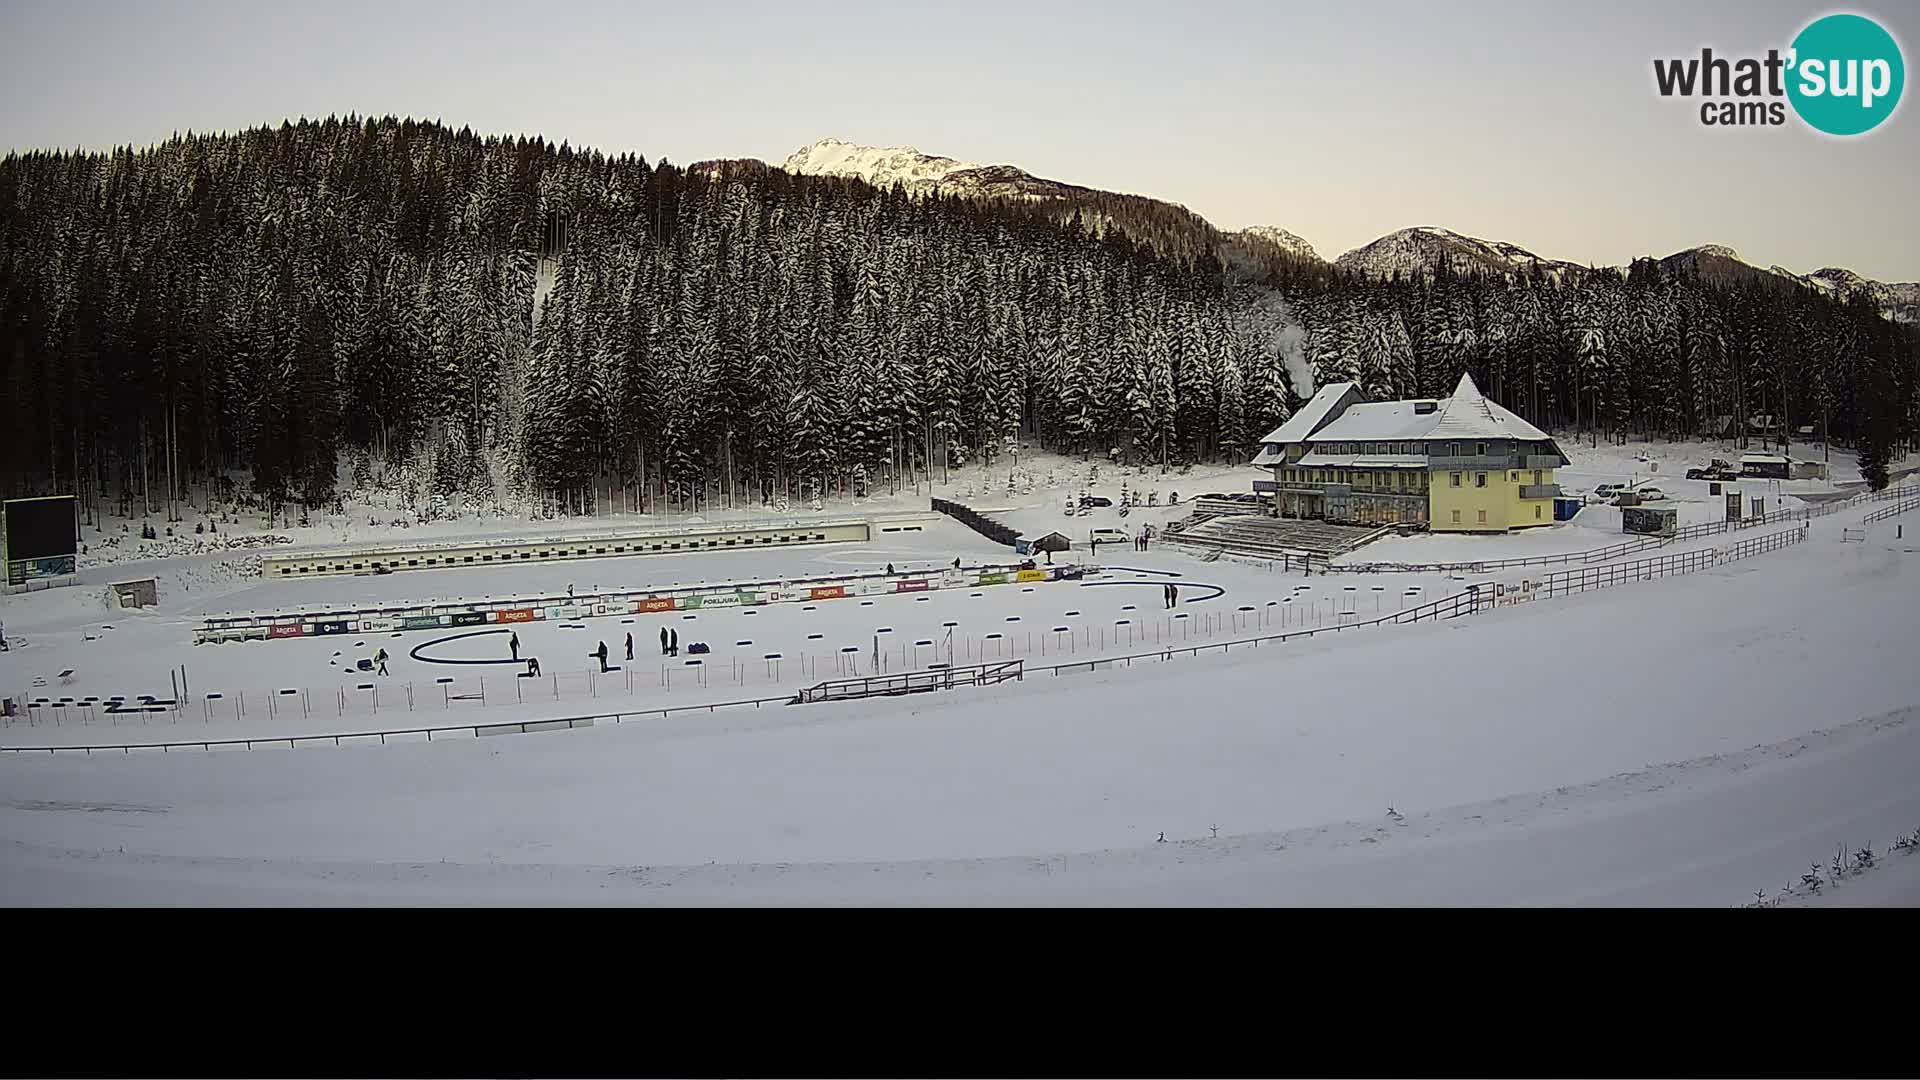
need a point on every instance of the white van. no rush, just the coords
(1107, 536)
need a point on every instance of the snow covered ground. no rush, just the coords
(133, 653)
(1688, 740)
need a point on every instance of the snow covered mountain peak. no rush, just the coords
(1282, 239)
(1421, 248)
(881, 166)
(1720, 251)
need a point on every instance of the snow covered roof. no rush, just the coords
(1311, 415)
(1269, 455)
(1379, 420)
(1469, 415)
(1465, 415)
(1768, 459)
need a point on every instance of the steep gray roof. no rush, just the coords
(1469, 415)
(1311, 415)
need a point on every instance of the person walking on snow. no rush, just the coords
(1173, 593)
(663, 641)
(629, 647)
(381, 659)
(601, 655)
(513, 642)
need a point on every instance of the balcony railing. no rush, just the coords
(1539, 491)
(1475, 463)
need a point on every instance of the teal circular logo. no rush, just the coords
(1845, 74)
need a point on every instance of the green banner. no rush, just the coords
(419, 622)
(992, 579)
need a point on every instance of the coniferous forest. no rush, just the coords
(506, 321)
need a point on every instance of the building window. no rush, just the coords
(1536, 511)
(1456, 517)
(1513, 477)
(1480, 449)
(1536, 476)
(1479, 479)
(1483, 517)
(1456, 479)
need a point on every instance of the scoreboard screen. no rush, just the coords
(40, 540)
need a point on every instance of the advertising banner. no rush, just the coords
(830, 592)
(655, 603)
(421, 622)
(747, 599)
(720, 600)
(331, 627)
(280, 630)
(516, 615)
(991, 579)
(468, 618)
(1031, 575)
(910, 586)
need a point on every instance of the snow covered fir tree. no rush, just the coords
(516, 323)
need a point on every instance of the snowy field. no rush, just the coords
(1683, 741)
(1116, 612)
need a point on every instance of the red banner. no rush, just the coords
(909, 586)
(515, 615)
(280, 630)
(656, 603)
(831, 592)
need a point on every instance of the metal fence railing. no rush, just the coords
(1892, 511)
(937, 677)
(418, 734)
(1685, 562)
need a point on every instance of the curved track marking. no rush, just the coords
(415, 652)
(1184, 585)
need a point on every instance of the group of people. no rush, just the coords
(669, 642)
(1140, 542)
(1171, 594)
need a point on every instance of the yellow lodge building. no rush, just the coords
(1456, 464)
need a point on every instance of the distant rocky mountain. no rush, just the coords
(1278, 238)
(1166, 227)
(1422, 248)
(1898, 300)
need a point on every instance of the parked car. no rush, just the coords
(1606, 492)
(1650, 494)
(1107, 536)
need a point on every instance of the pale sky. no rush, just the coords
(1531, 122)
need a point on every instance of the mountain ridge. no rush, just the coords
(1415, 249)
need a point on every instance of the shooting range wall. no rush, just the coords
(638, 542)
(434, 615)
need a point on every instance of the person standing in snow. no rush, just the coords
(629, 647)
(673, 642)
(1173, 593)
(889, 569)
(569, 588)
(601, 655)
(513, 642)
(663, 641)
